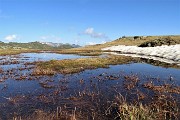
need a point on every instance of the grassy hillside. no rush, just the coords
(32, 45)
(127, 41)
(96, 49)
(16, 48)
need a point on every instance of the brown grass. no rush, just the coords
(16, 51)
(69, 66)
(95, 105)
(42, 115)
(124, 41)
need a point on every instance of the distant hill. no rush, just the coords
(37, 45)
(137, 41)
(60, 44)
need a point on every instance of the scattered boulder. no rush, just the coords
(159, 42)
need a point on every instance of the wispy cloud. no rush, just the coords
(90, 32)
(45, 24)
(49, 38)
(11, 37)
(94, 43)
(4, 16)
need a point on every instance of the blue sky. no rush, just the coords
(86, 21)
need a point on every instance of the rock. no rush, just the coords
(159, 42)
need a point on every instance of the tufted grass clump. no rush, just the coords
(70, 66)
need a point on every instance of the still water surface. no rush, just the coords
(29, 90)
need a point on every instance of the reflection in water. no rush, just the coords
(22, 93)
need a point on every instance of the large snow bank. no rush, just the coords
(169, 54)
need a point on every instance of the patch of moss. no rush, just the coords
(80, 52)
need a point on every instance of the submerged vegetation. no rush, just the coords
(122, 103)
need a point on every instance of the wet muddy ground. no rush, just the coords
(22, 93)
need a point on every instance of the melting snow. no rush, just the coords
(168, 54)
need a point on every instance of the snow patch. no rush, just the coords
(168, 54)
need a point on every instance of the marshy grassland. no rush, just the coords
(77, 65)
(70, 66)
(81, 51)
(162, 105)
(16, 51)
(100, 96)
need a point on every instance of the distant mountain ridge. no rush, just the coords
(59, 44)
(52, 44)
(37, 45)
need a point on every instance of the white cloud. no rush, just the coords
(11, 37)
(44, 37)
(91, 43)
(94, 43)
(90, 31)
